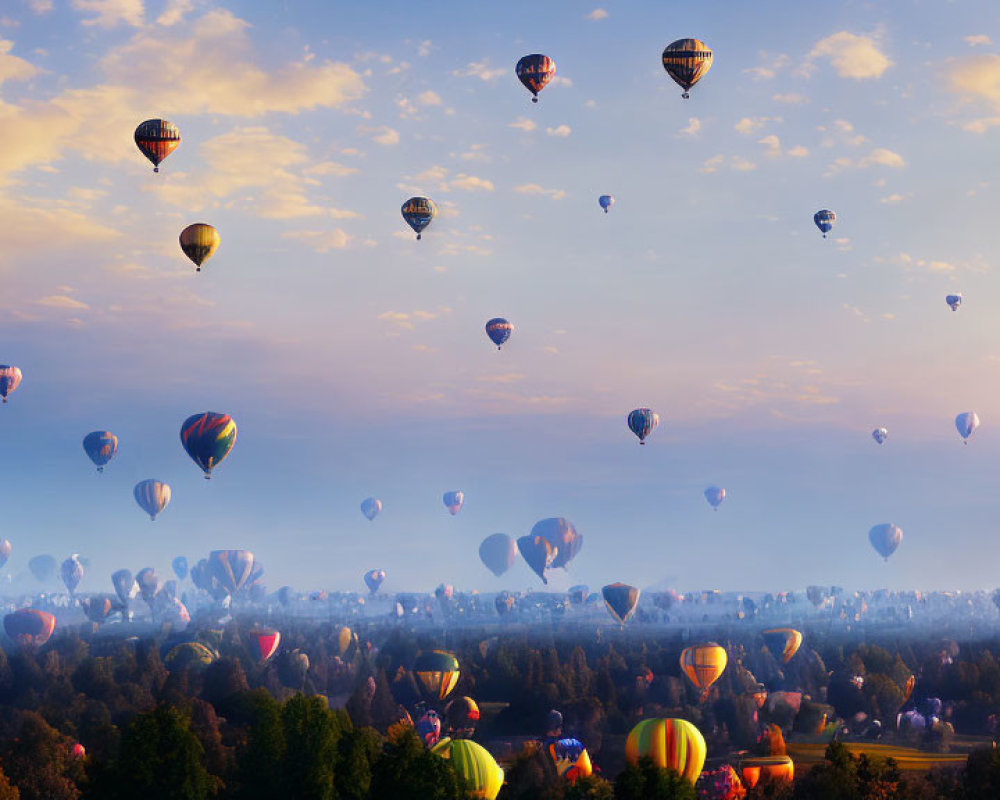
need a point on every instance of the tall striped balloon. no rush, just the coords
(208, 438)
(672, 744)
(152, 496)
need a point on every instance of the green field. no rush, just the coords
(806, 754)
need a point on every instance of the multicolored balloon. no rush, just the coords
(437, 673)
(29, 628)
(671, 743)
(703, 664)
(208, 438)
(880, 435)
(885, 539)
(10, 379)
(152, 496)
(687, 61)
(954, 301)
(453, 501)
(428, 728)
(605, 201)
(715, 495)
(100, 447)
(571, 759)
(499, 331)
(418, 213)
(621, 601)
(825, 220)
(480, 772)
(374, 579)
(535, 72)
(199, 243)
(231, 568)
(157, 139)
(642, 422)
(562, 535)
(498, 552)
(371, 507)
(967, 422)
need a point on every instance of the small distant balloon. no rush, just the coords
(5, 551)
(621, 601)
(42, 567)
(100, 447)
(418, 213)
(371, 507)
(885, 539)
(498, 552)
(605, 201)
(199, 242)
(453, 501)
(825, 219)
(152, 496)
(535, 72)
(499, 331)
(157, 139)
(10, 379)
(374, 579)
(71, 573)
(715, 495)
(125, 586)
(642, 422)
(966, 423)
(687, 61)
(180, 567)
(954, 301)
(880, 435)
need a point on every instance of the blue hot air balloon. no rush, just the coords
(715, 495)
(454, 501)
(885, 539)
(967, 422)
(418, 213)
(499, 331)
(370, 507)
(101, 447)
(373, 579)
(606, 201)
(642, 422)
(954, 301)
(180, 567)
(825, 219)
(880, 435)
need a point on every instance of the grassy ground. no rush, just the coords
(806, 754)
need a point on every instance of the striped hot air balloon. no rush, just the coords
(208, 438)
(157, 139)
(671, 743)
(687, 61)
(703, 664)
(437, 673)
(482, 775)
(199, 242)
(782, 643)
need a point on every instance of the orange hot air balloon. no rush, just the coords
(29, 628)
(782, 643)
(157, 139)
(704, 664)
(908, 687)
(672, 744)
(776, 768)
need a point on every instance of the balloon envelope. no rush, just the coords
(954, 301)
(373, 579)
(605, 201)
(264, 643)
(642, 422)
(29, 628)
(370, 507)
(5, 550)
(880, 435)
(125, 586)
(535, 71)
(42, 567)
(71, 572)
(437, 672)
(10, 379)
(199, 242)
(231, 568)
(498, 552)
(454, 501)
(825, 220)
(499, 331)
(687, 61)
(100, 447)
(671, 743)
(966, 423)
(152, 496)
(157, 139)
(418, 213)
(180, 567)
(715, 495)
(621, 600)
(208, 438)
(703, 664)
(562, 535)
(480, 772)
(782, 643)
(885, 539)
(537, 554)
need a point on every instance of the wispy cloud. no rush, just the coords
(111, 13)
(597, 14)
(523, 124)
(535, 189)
(851, 55)
(560, 131)
(481, 70)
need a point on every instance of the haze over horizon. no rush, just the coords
(353, 358)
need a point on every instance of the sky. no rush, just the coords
(353, 358)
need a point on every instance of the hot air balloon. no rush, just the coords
(148, 583)
(264, 644)
(71, 573)
(704, 664)
(125, 586)
(78, 751)
(418, 213)
(42, 567)
(687, 61)
(880, 435)
(462, 714)
(563, 537)
(208, 437)
(157, 139)
(715, 495)
(499, 331)
(231, 568)
(100, 447)
(782, 643)
(453, 502)
(199, 242)
(642, 422)
(187, 655)
(5, 551)
(437, 672)
(180, 567)
(370, 507)
(429, 728)
(966, 422)
(885, 539)
(537, 553)
(480, 772)
(498, 552)
(605, 201)
(825, 220)
(505, 602)
(621, 600)
(344, 638)
(672, 744)
(10, 379)
(97, 607)
(776, 768)
(535, 72)
(911, 682)
(954, 300)
(152, 496)
(578, 594)
(373, 579)
(571, 759)
(29, 628)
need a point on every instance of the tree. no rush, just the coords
(162, 759)
(407, 771)
(312, 736)
(36, 757)
(359, 750)
(261, 762)
(646, 781)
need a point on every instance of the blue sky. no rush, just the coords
(354, 359)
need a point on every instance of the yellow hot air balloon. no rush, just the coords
(672, 744)
(687, 61)
(704, 664)
(437, 673)
(344, 639)
(782, 643)
(482, 775)
(199, 242)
